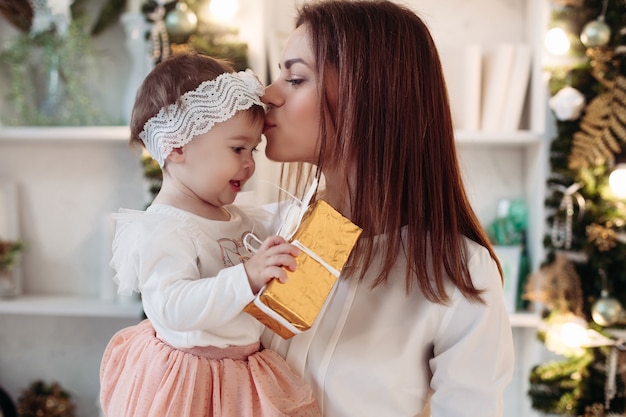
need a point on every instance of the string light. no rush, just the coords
(567, 334)
(224, 10)
(573, 334)
(556, 41)
(617, 180)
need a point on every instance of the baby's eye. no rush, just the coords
(238, 149)
(254, 149)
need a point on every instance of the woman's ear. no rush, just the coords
(176, 156)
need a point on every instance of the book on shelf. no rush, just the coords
(496, 69)
(519, 80)
(506, 74)
(462, 67)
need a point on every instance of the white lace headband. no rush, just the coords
(199, 110)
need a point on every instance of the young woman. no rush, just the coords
(417, 324)
(198, 354)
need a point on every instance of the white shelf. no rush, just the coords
(50, 305)
(531, 320)
(93, 307)
(122, 134)
(518, 138)
(66, 133)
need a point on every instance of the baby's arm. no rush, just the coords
(268, 262)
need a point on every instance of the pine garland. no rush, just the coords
(602, 129)
(570, 386)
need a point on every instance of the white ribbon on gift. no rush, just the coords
(315, 256)
(291, 219)
(274, 315)
(290, 223)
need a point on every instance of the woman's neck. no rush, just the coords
(337, 194)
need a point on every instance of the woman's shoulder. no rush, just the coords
(475, 249)
(483, 268)
(476, 252)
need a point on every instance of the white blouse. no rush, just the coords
(380, 352)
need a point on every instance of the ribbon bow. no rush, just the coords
(561, 235)
(291, 218)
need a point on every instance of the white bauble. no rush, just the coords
(568, 103)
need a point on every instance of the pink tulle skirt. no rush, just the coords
(142, 376)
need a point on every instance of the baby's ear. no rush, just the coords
(176, 156)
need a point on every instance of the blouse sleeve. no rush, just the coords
(473, 352)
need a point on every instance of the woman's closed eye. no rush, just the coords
(294, 81)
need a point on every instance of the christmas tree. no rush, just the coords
(585, 267)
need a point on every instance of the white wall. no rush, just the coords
(65, 192)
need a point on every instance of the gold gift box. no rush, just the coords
(292, 307)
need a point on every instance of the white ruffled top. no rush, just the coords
(189, 272)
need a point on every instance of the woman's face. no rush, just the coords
(292, 122)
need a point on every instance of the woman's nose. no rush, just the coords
(270, 98)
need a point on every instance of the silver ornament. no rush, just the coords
(606, 310)
(181, 21)
(595, 33)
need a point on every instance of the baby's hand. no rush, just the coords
(269, 260)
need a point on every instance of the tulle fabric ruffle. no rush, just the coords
(142, 376)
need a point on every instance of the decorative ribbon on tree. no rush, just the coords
(562, 229)
(158, 33)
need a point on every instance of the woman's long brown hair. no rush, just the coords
(383, 92)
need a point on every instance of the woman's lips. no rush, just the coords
(268, 126)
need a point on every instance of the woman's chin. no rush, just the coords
(284, 157)
(272, 155)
